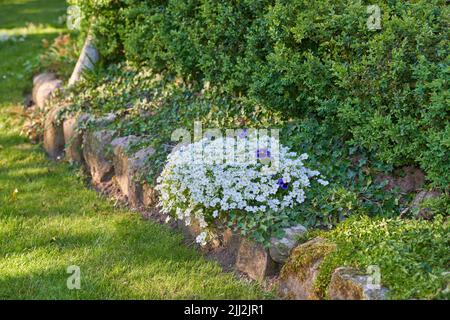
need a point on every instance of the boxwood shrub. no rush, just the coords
(384, 91)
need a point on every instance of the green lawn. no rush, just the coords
(49, 220)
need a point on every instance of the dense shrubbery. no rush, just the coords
(383, 91)
(412, 255)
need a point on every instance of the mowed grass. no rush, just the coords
(49, 220)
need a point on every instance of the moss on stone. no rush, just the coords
(342, 283)
(306, 257)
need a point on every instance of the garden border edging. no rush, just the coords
(103, 156)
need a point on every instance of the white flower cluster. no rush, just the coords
(206, 190)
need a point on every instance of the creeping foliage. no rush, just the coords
(412, 255)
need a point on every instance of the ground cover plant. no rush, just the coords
(412, 254)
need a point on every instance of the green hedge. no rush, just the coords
(385, 91)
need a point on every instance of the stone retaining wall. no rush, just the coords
(108, 159)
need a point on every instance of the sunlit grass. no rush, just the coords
(49, 220)
(30, 31)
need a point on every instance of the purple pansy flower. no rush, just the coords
(283, 185)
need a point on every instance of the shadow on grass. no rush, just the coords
(131, 260)
(16, 13)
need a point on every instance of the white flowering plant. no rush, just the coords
(202, 184)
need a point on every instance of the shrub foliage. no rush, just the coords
(385, 91)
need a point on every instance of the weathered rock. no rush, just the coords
(88, 57)
(123, 169)
(53, 134)
(299, 274)
(225, 239)
(280, 249)
(129, 168)
(97, 152)
(191, 231)
(417, 203)
(104, 121)
(229, 238)
(349, 284)
(225, 248)
(44, 85)
(407, 179)
(40, 79)
(149, 196)
(254, 260)
(73, 137)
